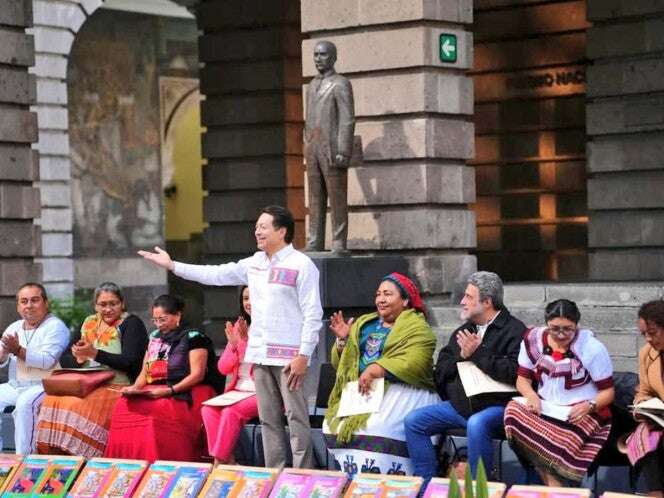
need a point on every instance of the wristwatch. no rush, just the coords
(593, 405)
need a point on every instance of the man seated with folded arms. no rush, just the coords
(32, 347)
(490, 338)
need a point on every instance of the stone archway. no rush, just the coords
(56, 25)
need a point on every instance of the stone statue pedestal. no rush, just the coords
(349, 283)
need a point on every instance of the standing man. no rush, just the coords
(328, 144)
(490, 338)
(32, 347)
(285, 322)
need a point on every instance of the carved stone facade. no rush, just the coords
(419, 121)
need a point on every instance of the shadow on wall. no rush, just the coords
(376, 188)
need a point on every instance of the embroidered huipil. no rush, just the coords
(285, 301)
(570, 380)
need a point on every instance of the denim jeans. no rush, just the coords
(428, 421)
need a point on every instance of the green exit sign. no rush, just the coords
(448, 47)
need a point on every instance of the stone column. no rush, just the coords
(19, 200)
(413, 113)
(252, 111)
(55, 27)
(625, 123)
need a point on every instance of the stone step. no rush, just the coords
(600, 319)
(619, 294)
(610, 310)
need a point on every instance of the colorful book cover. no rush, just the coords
(524, 491)
(92, 479)
(58, 478)
(383, 486)
(9, 463)
(124, 480)
(188, 481)
(438, 488)
(232, 481)
(28, 475)
(155, 481)
(305, 483)
(108, 477)
(173, 480)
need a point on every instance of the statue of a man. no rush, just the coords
(328, 144)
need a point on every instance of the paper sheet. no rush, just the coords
(354, 403)
(559, 412)
(229, 398)
(477, 382)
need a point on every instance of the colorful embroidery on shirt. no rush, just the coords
(282, 351)
(283, 276)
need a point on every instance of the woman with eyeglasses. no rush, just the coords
(109, 338)
(561, 365)
(645, 446)
(159, 415)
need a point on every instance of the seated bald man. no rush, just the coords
(31, 347)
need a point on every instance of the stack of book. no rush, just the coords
(523, 491)
(439, 488)
(165, 479)
(108, 478)
(42, 476)
(305, 483)
(381, 486)
(233, 481)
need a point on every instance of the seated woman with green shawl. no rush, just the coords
(395, 343)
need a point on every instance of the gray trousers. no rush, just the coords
(273, 398)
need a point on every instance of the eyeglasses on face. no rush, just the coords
(160, 320)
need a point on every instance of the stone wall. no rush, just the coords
(57, 26)
(529, 76)
(252, 111)
(413, 113)
(20, 241)
(626, 139)
(610, 310)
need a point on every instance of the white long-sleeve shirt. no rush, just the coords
(43, 347)
(286, 314)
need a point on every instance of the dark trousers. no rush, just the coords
(651, 467)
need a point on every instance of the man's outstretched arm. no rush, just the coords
(226, 274)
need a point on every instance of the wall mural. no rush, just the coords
(115, 128)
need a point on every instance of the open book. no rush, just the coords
(652, 408)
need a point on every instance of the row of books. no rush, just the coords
(72, 477)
